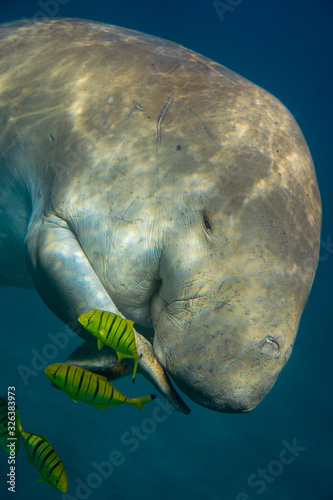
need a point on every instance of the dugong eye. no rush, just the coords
(206, 223)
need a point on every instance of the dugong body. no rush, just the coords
(141, 178)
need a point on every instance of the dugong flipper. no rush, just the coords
(141, 178)
(67, 283)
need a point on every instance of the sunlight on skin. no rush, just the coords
(153, 183)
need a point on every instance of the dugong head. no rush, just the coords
(239, 261)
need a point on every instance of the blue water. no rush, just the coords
(285, 47)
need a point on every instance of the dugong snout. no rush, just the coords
(239, 386)
(242, 382)
(226, 360)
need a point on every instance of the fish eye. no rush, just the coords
(54, 375)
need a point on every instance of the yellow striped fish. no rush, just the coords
(9, 426)
(112, 330)
(45, 458)
(40, 452)
(83, 385)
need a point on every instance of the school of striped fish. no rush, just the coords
(80, 385)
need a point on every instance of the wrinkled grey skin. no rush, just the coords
(144, 179)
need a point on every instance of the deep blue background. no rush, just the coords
(285, 47)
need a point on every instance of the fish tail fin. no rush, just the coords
(138, 402)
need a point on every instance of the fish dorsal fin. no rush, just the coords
(30, 461)
(43, 437)
(75, 401)
(100, 344)
(41, 479)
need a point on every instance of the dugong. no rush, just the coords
(141, 178)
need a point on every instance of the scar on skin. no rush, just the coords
(50, 136)
(163, 113)
(160, 118)
(200, 120)
(134, 107)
